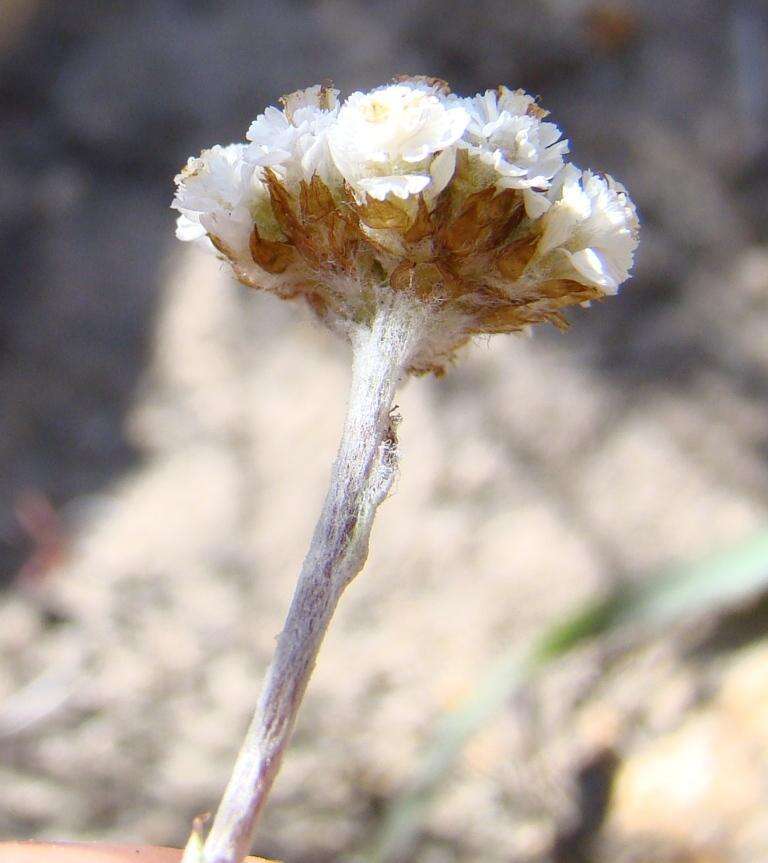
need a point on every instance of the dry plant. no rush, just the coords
(409, 220)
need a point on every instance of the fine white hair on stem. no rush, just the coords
(360, 480)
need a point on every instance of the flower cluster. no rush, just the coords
(464, 204)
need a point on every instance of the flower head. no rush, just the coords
(294, 141)
(463, 205)
(506, 133)
(388, 141)
(590, 231)
(219, 194)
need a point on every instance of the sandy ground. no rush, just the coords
(506, 514)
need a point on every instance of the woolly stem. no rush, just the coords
(361, 478)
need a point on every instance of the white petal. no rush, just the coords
(596, 267)
(559, 222)
(536, 203)
(188, 229)
(441, 169)
(400, 185)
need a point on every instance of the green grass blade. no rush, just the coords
(715, 584)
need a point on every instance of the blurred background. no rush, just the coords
(165, 439)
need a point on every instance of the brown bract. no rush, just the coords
(325, 99)
(469, 256)
(435, 83)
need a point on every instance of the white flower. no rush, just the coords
(590, 231)
(293, 142)
(507, 136)
(273, 136)
(517, 224)
(506, 132)
(219, 193)
(397, 140)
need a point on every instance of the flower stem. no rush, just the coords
(361, 478)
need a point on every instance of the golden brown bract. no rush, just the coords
(435, 83)
(469, 258)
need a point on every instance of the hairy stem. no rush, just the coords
(361, 477)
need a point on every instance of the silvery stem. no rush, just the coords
(361, 478)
